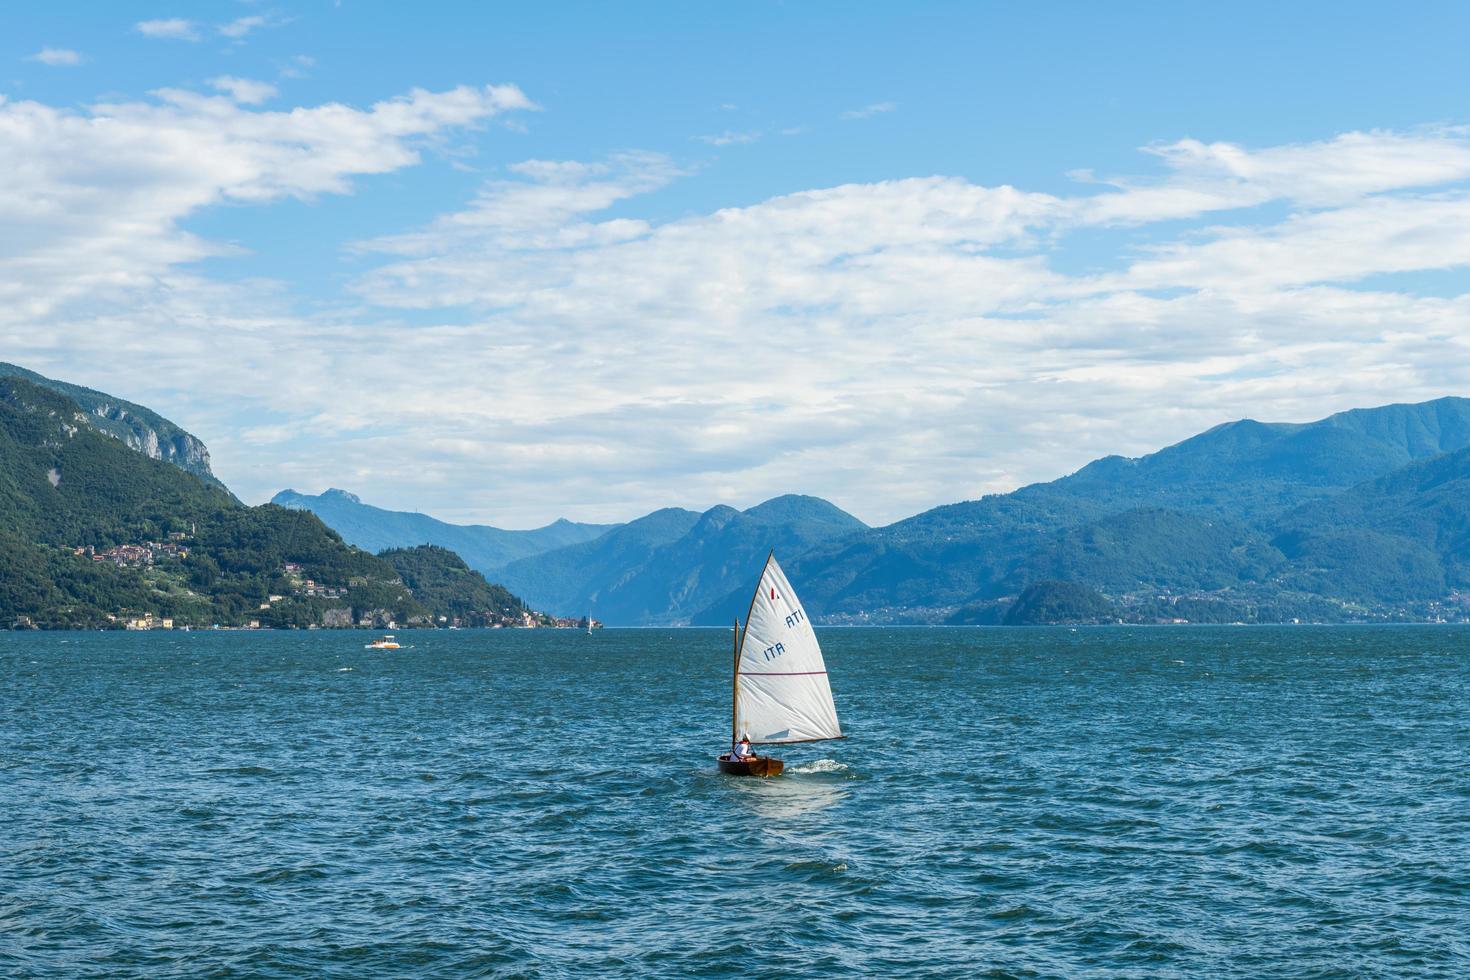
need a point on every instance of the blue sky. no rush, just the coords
(512, 263)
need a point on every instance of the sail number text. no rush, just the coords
(776, 649)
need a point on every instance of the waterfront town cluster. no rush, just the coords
(375, 619)
(176, 548)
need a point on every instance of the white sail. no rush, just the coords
(781, 693)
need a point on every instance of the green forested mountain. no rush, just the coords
(1248, 521)
(487, 549)
(1406, 534)
(1427, 502)
(1146, 549)
(1247, 469)
(1393, 544)
(62, 482)
(94, 532)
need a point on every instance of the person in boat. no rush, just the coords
(742, 751)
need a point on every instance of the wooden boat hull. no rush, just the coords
(764, 766)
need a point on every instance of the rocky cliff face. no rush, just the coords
(166, 442)
(138, 428)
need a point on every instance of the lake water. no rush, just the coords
(1101, 802)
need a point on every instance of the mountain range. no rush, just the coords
(1363, 515)
(1247, 512)
(1354, 516)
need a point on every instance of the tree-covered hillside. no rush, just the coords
(1058, 602)
(441, 580)
(1149, 549)
(1406, 534)
(1247, 470)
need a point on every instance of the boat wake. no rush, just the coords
(820, 765)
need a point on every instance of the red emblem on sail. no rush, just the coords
(773, 592)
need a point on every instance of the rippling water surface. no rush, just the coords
(1130, 802)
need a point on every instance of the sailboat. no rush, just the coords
(781, 694)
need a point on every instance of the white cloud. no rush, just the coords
(729, 138)
(876, 108)
(298, 66)
(1329, 172)
(543, 210)
(241, 26)
(551, 348)
(1342, 245)
(1224, 176)
(182, 29)
(57, 57)
(173, 28)
(848, 250)
(245, 91)
(93, 199)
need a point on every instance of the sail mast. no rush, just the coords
(735, 691)
(739, 644)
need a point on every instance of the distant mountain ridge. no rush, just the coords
(1245, 468)
(485, 549)
(665, 568)
(925, 567)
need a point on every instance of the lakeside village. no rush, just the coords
(175, 549)
(1196, 607)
